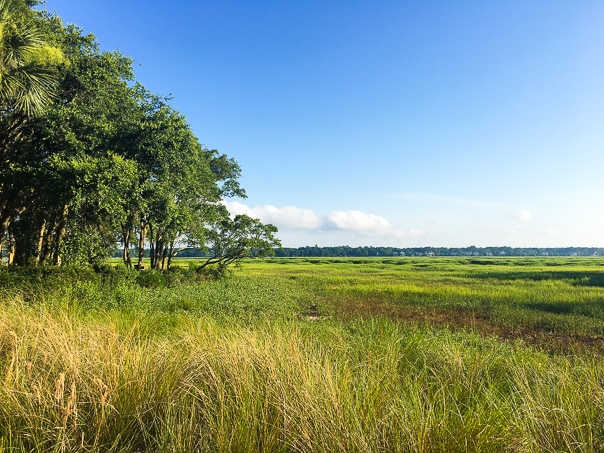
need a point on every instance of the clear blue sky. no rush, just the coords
(387, 123)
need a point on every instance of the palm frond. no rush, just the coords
(24, 84)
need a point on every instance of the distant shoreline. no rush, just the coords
(367, 251)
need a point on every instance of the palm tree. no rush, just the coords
(27, 84)
(26, 79)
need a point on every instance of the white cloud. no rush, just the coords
(294, 218)
(357, 221)
(285, 217)
(523, 215)
(238, 208)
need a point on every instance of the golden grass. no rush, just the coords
(105, 383)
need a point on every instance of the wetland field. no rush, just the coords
(306, 355)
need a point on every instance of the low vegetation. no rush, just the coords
(404, 355)
(551, 302)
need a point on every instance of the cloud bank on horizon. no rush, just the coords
(492, 224)
(291, 218)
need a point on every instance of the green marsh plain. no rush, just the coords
(326, 354)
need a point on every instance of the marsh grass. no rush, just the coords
(108, 384)
(238, 365)
(512, 297)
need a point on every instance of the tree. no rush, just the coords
(177, 179)
(63, 154)
(107, 160)
(28, 79)
(231, 240)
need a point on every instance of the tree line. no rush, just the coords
(89, 158)
(344, 251)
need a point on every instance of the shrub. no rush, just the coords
(151, 279)
(214, 272)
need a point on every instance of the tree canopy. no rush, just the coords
(89, 158)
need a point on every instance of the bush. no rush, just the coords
(113, 276)
(214, 272)
(177, 275)
(30, 278)
(151, 279)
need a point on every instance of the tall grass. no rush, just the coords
(241, 365)
(110, 384)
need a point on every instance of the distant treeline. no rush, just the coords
(343, 251)
(437, 251)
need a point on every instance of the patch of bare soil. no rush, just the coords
(552, 342)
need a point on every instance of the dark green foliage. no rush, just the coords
(38, 278)
(98, 288)
(346, 251)
(213, 272)
(578, 278)
(107, 161)
(151, 279)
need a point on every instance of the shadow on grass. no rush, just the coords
(577, 278)
(544, 336)
(591, 309)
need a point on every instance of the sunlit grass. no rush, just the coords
(111, 383)
(307, 355)
(552, 294)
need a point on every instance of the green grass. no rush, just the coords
(510, 296)
(401, 355)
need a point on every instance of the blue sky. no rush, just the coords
(387, 123)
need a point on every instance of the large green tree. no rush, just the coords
(64, 159)
(229, 240)
(108, 161)
(28, 77)
(177, 183)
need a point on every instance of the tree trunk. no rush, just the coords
(157, 247)
(170, 254)
(151, 248)
(11, 250)
(40, 243)
(47, 247)
(5, 218)
(126, 234)
(163, 258)
(141, 244)
(61, 230)
(159, 250)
